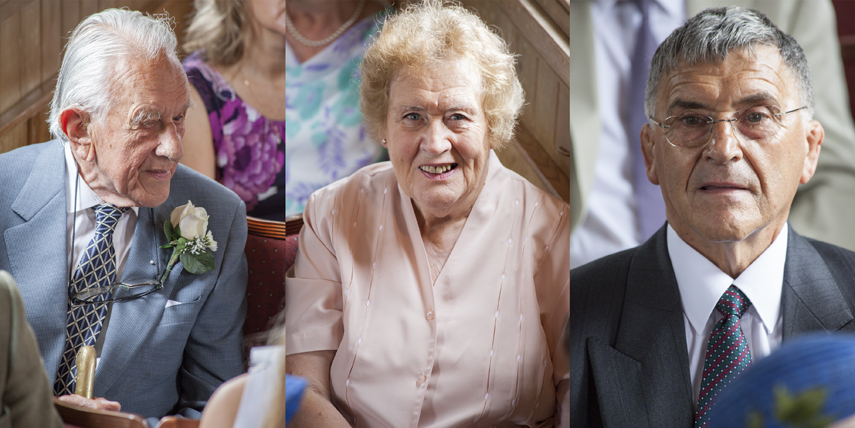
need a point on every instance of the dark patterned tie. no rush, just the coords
(727, 352)
(650, 208)
(97, 268)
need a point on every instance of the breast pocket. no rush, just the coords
(178, 312)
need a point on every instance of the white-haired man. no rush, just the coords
(86, 211)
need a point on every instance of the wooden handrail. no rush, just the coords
(293, 224)
(83, 417)
(28, 106)
(265, 228)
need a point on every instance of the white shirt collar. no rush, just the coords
(86, 197)
(702, 283)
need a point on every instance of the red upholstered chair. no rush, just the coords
(79, 417)
(265, 288)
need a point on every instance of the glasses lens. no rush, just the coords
(758, 123)
(752, 124)
(687, 130)
(117, 292)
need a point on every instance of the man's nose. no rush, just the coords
(169, 145)
(726, 142)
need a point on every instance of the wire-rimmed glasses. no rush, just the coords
(692, 130)
(133, 290)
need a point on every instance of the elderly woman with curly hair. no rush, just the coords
(432, 290)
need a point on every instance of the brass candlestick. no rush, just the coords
(85, 372)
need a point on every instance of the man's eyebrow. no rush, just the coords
(686, 105)
(758, 98)
(145, 115)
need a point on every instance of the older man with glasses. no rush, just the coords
(657, 331)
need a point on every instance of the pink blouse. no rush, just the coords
(480, 347)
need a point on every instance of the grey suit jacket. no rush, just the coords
(156, 360)
(822, 208)
(628, 352)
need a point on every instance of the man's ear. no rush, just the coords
(75, 125)
(815, 136)
(647, 145)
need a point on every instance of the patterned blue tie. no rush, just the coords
(97, 268)
(727, 352)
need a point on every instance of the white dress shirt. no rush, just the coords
(610, 223)
(701, 285)
(81, 220)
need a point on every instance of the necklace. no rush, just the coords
(315, 43)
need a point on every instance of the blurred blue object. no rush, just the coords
(294, 387)
(807, 382)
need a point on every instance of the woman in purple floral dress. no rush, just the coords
(236, 132)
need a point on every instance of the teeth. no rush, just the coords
(436, 169)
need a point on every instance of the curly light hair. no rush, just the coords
(426, 34)
(218, 28)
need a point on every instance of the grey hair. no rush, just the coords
(710, 35)
(96, 46)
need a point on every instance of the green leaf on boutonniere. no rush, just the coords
(197, 263)
(172, 233)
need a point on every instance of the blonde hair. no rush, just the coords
(426, 34)
(218, 28)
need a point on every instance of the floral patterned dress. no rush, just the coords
(325, 137)
(249, 148)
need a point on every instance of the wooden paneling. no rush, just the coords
(12, 138)
(32, 35)
(10, 77)
(51, 41)
(536, 30)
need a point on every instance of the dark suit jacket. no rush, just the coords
(628, 352)
(164, 353)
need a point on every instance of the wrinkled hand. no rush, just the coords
(97, 403)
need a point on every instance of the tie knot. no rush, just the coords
(733, 302)
(107, 215)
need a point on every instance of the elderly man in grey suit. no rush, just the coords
(658, 330)
(87, 211)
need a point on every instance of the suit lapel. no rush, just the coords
(43, 280)
(649, 362)
(132, 322)
(811, 298)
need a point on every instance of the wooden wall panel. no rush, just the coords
(30, 43)
(11, 139)
(10, 72)
(51, 39)
(69, 18)
(32, 36)
(537, 30)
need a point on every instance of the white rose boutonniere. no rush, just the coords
(190, 240)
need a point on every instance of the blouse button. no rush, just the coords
(430, 316)
(421, 380)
